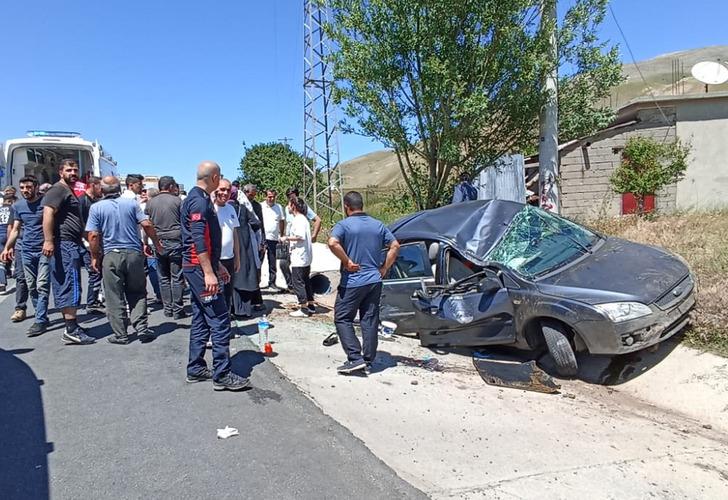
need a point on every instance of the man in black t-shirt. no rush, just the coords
(62, 233)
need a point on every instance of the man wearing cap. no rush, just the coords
(164, 212)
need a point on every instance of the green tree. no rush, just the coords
(648, 166)
(451, 85)
(272, 165)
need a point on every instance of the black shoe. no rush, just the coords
(230, 382)
(179, 315)
(352, 366)
(259, 307)
(37, 329)
(311, 308)
(118, 340)
(203, 376)
(145, 335)
(168, 314)
(77, 336)
(332, 339)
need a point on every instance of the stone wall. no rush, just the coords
(587, 166)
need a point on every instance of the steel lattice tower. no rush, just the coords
(321, 172)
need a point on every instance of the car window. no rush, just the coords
(412, 262)
(459, 268)
(537, 242)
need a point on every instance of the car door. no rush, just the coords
(411, 269)
(479, 315)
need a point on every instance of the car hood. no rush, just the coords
(617, 270)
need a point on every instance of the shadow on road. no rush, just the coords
(24, 455)
(243, 362)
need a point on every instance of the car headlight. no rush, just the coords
(624, 311)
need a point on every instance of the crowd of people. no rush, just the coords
(210, 243)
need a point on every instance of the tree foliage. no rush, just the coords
(451, 85)
(648, 166)
(272, 165)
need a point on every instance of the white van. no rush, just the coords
(41, 151)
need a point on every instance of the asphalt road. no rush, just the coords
(109, 421)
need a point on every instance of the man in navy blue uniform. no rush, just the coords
(202, 241)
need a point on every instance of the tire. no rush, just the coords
(557, 341)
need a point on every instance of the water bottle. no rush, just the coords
(263, 326)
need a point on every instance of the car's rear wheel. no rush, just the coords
(558, 342)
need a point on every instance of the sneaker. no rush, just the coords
(208, 344)
(3, 288)
(299, 313)
(352, 366)
(203, 376)
(259, 307)
(168, 314)
(118, 340)
(230, 382)
(311, 308)
(179, 315)
(77, 336)
(37, 329)
(18, 316)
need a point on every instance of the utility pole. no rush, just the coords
(322, 181)
(548, 147)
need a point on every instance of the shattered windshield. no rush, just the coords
(537, 242)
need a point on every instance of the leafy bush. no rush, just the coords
(648, 166)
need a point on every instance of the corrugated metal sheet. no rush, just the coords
(503, 181)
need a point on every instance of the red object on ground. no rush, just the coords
(268, 348)
(629, 203)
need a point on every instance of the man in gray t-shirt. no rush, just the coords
(164, 212)
(116, 221)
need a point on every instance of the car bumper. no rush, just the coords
(606, 337)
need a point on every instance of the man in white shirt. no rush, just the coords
(134, 186)
(229, 224)
(274, 223)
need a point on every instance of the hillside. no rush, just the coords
(380, 169)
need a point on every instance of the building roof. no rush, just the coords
(629, 111)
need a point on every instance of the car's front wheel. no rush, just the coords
(559, 345)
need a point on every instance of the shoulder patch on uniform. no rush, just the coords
(196, 217)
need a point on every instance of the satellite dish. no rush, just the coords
(710, 72)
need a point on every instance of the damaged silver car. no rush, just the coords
(493, 272)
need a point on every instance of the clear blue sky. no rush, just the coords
(164, 85)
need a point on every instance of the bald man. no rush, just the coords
(115, 221)
(202, 245)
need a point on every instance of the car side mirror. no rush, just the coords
(489, 284)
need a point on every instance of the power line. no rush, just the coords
(634, 61)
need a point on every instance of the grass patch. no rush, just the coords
(701, 239)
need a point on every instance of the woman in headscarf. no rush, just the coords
(246, 289)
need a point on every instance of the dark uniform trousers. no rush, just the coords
(209, 319)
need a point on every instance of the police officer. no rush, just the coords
(202, 241)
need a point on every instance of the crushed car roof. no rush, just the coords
(473, 227)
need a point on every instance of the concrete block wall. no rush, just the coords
(587, 166)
